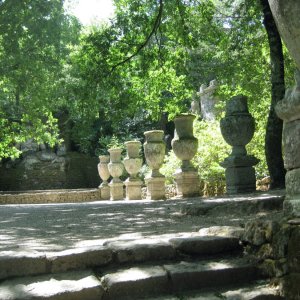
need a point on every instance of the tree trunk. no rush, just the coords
(273, 140)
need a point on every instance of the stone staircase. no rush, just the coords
(212, 267)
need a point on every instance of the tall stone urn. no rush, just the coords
(104, 175)
(154, 149)
(133, 164)
(237, 128)
(116, 169)
(185, 147)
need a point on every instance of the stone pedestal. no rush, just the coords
(116, 190)
(155, 188)
(187, 183)
(185, 147)
(133, 189)
(289, 111)
(154, 149)
(237, 129)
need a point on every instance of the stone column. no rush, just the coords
(237, 128)
(133, 164)
(185, 147)
(289, 111)
(154, 149)
(116, 169)
(104, 175)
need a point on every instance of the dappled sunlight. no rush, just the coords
(59, 227)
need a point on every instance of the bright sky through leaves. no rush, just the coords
(91, 11)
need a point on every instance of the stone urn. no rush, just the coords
(185, 147)
(237, 128)
(133, 164)
(104, 175)
(154, 149)
(116, 169)
(184, 144)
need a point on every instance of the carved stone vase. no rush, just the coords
(154, 149)
(237, 128)
(116, 169)
(104, 175)
(185, 147)
(133, 164)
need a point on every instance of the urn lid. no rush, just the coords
(237, 105)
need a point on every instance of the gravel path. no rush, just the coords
(55, 227)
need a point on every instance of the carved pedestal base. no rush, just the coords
(116, 191)
(187, 184)
(133, 189)
(240, 180)
(155, 188)
(105, 192)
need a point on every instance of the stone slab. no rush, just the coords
(65, 286)
(209, 274)
(20, 263)
(206, 244)
(141, 250)
(80, 258)
(135, 283)
(224, 231)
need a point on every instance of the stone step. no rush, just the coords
(22, 263)
(139, 282)
(259, 291)
(64, 286)
(131, 283)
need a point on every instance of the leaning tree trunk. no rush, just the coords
(273, 140)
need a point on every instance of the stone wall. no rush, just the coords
(48, 169)
(275, 246)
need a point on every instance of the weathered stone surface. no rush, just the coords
(260, 232)
(240, 180)
(21, 263)
(294, 250)
(288, 109)
(291, 206)
(74, 170)
(196, 275)
(225, 231)
(136, 282)
(187, 184)
(274, 268)
(205, 245)
(292, 179)
(133, 189)
(291, 144)
(155, 188)
(291, 286)
(81, 258)
(66, 286)
(138, 251)
(286, 14)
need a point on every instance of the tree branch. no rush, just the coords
(144, 44)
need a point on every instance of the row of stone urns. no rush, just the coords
(237, 128)
(184, 146)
